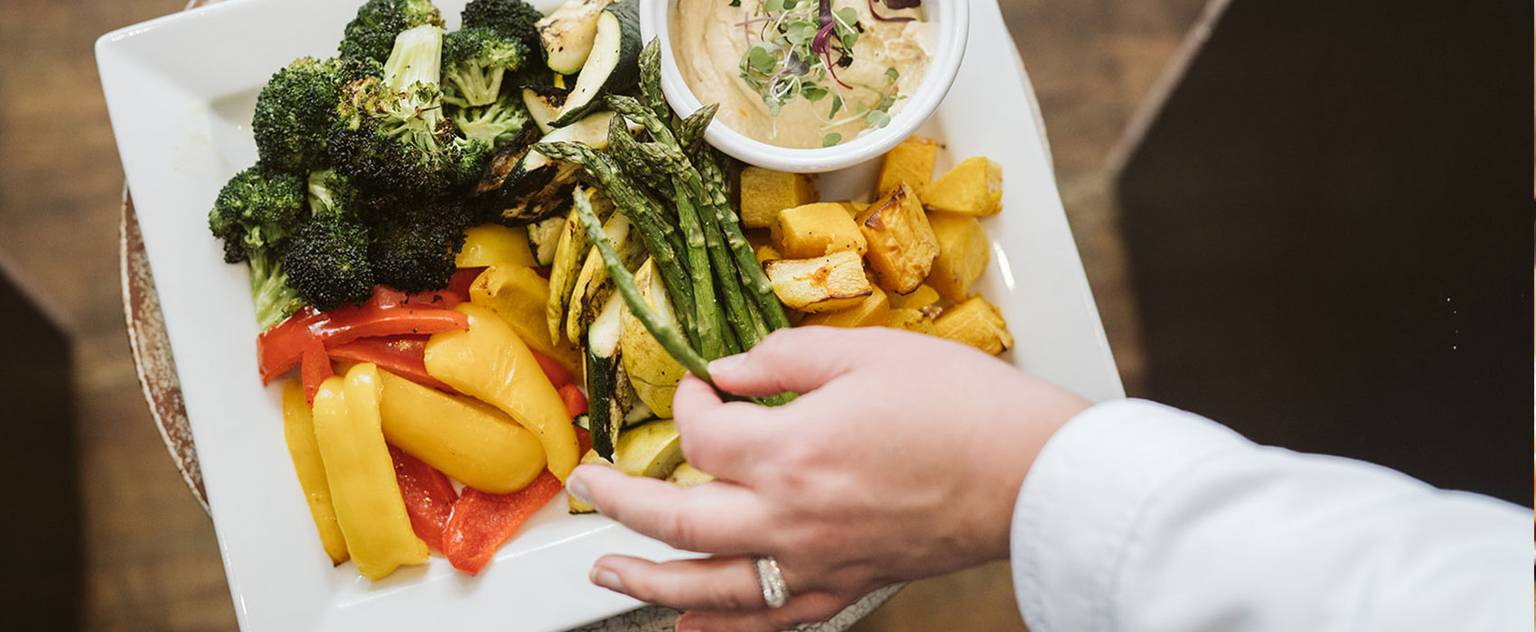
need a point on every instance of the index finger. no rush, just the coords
(718, 518)
(723, 438)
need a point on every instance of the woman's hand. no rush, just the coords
(901, 459)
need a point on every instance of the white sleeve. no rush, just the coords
(1139, 517)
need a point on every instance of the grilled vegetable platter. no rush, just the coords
(482, 257)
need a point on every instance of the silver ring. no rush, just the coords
(771, 579)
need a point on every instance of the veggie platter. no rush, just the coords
(456, 253)
(471, 272)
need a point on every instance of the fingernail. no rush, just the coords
(578, 488)
(727, 364)
(607, 579)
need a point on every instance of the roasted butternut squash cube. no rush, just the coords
(919, 298)
(823, 284)
(963, 254)
(901, 243)
(974, 187)
(977, 323)
(911, 319)
(766, 253)
(765, 192)
(871, 312)
(910, 162)
(813, 230)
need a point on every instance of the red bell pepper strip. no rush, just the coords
(402, 355)
(557, 374)
(314, 368)
(575, 401)
(459, 283)
(429, 497)
(482, 522)
(388, 313)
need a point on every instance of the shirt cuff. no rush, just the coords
(1080, 502)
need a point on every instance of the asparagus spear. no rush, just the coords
(650, 79)
(752, 275)
(706, 314)
(646, 214)
(625, 151)
(690, 131)
(664, 333)
(746, 262)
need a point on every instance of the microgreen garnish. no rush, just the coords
(894, 4)
(798, 49)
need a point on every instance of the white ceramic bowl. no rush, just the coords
(951, 27)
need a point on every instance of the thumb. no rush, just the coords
(789, 360)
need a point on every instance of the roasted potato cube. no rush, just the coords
(871, 312)
(919, 298)
(963, 254)
(973, 187)
(853, 207)
(765, 192)
(977, 323)
(822, 284)
(766, 253)
(910, 162)
(813, 230)
(901, 243)
(911, 319)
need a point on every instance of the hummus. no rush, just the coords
(710, 38)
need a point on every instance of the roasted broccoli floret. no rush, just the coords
(296, 108)
(496, 124)
(256, 210)
(413, 247)
(327, 262)
(475, 60)
(255, 215)
(333, 195)
(513, 18)
(391, 133)
(371, 35)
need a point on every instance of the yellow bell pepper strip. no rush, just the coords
(367, 499)
(299, 429)
(494, 244)
(489, 362)
(474, 443)
(519, 295)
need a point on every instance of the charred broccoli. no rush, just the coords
(296, 108)
(333, 195)
(475, 60)
(390, 132)
(255, 215)
(513, 18)
(413, 247)
(327, 262)
(371, 35)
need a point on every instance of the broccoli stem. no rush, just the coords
(275, 300)
(664, 333)
(415, 69)
(477, 85)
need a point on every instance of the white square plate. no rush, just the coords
(181, 90)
